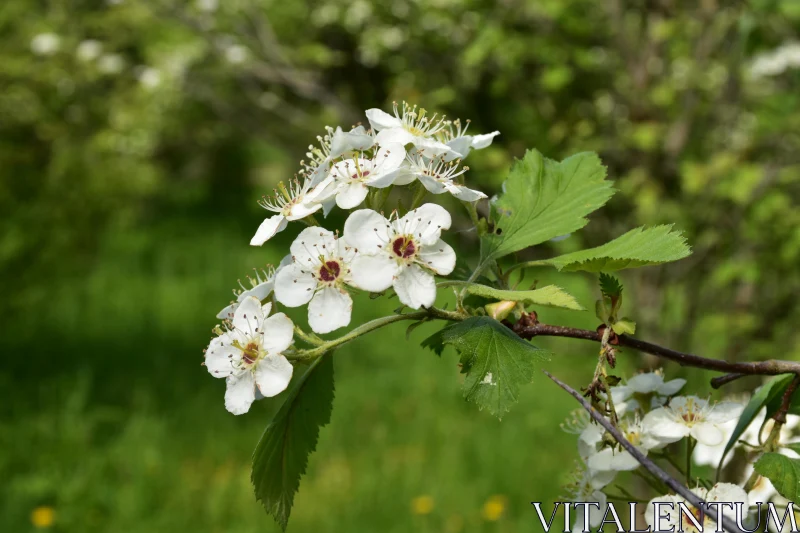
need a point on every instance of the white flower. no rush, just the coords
(411, 125)
(260, 287)
(619, 459)
(457, 139)
(319, 271)
(648, 386)
(88, 50)
(289, 204)
(349, 179)
(393, 253)
(149, 77)
(721, 492)
(438, 175)
(208, 6)
(110, 64)
(335, 143)
(585, 487)
(763, 490)
(250, 355)
(45, 44)
(691, 416)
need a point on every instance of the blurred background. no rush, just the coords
(137, 136)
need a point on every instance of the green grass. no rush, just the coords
(110, 420)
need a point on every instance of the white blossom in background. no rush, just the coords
(235, 54)
(618, 459)
(438, 176)
(209, 6)
(648, 386)
(335, 143)
(261, 287)
(250, 354)
(289, 204)
(149, 77)
(110, 64)
(317, 276)
(45, 44)
(691, 416)
(777, 61)
(401, 253)
(586, 487)
(410, 125)
(88, 50)
(460, 142)
(349, 179)
(721, 492)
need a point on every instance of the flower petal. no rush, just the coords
(355, 139)
(294, 286)
(303, 209)
(380, 119)
(425, 222)
(671, 387)
(248, 316)
(724, 412)
(706, 433)
(273, 375)
(660, 425)
(351, 194)
(664, 524)
(431, 148)
(277, 333)
(367, 231)
(389, 158)
(394, 136)
(465, 194)
(482, 141)
(415, 287)
(439, 257)
(434, 186)
(310, 244)
(329, 309)
(374, 272)
(240, 393)
(460, 146)
(268, 229)
(221, 357)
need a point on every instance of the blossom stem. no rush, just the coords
(419, 195)
(307, 337)
(652, 468)
(527, 264)
(321, 349)
(690, 444)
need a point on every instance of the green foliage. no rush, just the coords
(767, 395)
(610, 286)
(783, 472)
(794, 446)
(280, 459)
(639, 247)
(549, 296)
(624, 326)
(495, 360)
(543, 199)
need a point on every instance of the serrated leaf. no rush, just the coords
(543, 199)
(639, 247)
(550, 296)
(281, 456)
(763, 396)
(495, 360)
(609, 285)
(435, 342)
(624, 326)
(783, 472)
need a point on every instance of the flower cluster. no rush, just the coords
(650, 417)
(403, 252)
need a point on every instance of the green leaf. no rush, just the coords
(550, 296)
(281, 456)
(435, 342)
(543, 199)
(624, 326)
(639, 247)
(763, 396)
(610, 286)
(495, 360)
(783, 472)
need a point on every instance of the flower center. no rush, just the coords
(404, 247)
(250, 353)
(359, 175)
(329, 271)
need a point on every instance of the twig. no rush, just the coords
(727, 378)
(648, 464)
(771, 367)
(786, 402)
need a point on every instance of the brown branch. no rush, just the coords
(786, 401)
(771, 367)
(648, 464)
(724, 380)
